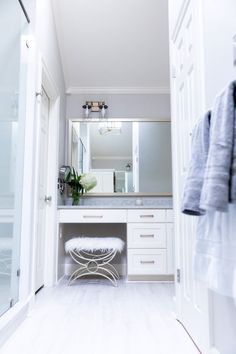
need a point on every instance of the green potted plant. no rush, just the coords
(79, 184)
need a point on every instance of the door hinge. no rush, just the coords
(18, 273)
(39, 94)
(178, 275)
(11, 303)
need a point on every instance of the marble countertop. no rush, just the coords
(112, 207)
(122, 203)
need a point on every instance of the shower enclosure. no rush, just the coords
(13, 68)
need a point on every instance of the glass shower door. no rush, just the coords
(13, 27)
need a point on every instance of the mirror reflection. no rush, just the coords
(125, 157)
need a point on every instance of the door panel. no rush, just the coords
(192, 296)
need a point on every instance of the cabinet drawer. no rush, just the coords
(143, 261)
(146, 215)
(147, 235)
(92, 216)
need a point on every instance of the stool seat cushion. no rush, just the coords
(93, 244)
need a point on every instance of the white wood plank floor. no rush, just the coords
(96, 318)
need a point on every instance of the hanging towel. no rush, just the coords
(215, 251)
(194, 180)
(219, 187)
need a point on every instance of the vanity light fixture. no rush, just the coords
(109, 127)
(95, 107)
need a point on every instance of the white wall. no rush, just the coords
(219, 27)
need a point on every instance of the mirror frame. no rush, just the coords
(96, 120)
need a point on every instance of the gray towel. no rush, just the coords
(195, 176)
(219, 187)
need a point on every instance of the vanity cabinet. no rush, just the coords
(149, 237)
(150, 245)
(92, 216)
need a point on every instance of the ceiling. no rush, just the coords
(113, 45)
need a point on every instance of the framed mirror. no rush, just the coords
(126, 156)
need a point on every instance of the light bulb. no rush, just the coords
(86, 112)
(103, 111)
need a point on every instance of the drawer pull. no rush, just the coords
(147, 236)
(92, 216)
(147, 216)
(147, 262)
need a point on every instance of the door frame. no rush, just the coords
(45, 79)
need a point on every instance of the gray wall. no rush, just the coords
(123, 106)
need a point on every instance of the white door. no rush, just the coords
(42, 193)
(192, 297)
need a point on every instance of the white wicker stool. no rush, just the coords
(94, 256)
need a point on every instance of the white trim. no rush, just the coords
(159, 90)
(45, 79)
(27, 196)
(11, 320)
(180, 19)
(125, 120)
(51, 220)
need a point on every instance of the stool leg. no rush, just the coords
(90, 264)
(113, 270)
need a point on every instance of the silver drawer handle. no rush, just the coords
(92, 216)
(147, 236)
(147, 216)
(147, 262)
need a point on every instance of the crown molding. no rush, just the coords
(119, 90)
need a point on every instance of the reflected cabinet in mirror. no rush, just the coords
(125, 156)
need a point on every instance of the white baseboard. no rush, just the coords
(11, 320)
